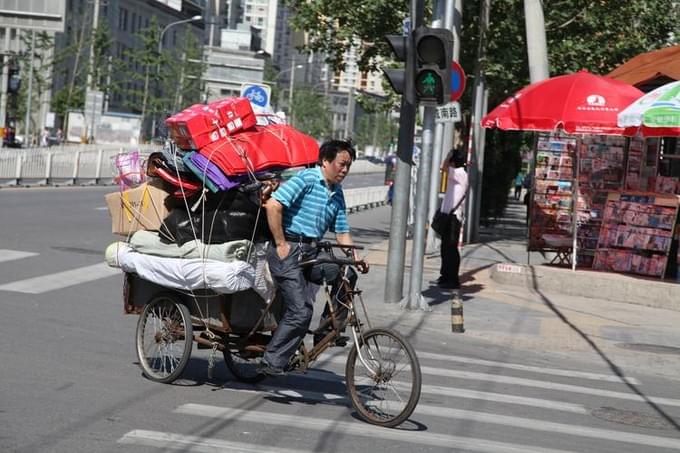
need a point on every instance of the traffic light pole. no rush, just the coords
(396, 253)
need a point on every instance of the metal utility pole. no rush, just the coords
(290, 90)
(91, 83)
(396, 252)
(537, 49)
(423, 187)
(443, 133)
(476, 141)
(349, 124)
(27, 126)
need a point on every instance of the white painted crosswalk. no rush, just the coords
(10, 255)
(60, 280)
(266, 400)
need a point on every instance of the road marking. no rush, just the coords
(360, 429)
(171, 441)
(538, 384)
(439, 391)
(547, 385)
(485, 417)
(533, 369)
(10, 255)
(102, 208)
(59, 280)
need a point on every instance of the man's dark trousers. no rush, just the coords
(291, 281)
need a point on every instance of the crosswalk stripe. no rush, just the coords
(485, 417)
(361, 429)
(198, 444)
(59, 280)
(547, 385)
(534, 369)
(535, 383)
(10, 255)
(454, 392)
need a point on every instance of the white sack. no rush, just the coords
(189, 274)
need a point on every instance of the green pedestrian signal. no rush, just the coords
(427, 84)
(434, 54)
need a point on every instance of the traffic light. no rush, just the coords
(397, 76)
(14, 80)
(434, 54)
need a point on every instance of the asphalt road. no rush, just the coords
(69, 380)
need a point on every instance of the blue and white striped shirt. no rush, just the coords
(312, 208)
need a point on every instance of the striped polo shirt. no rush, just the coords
(312, 208)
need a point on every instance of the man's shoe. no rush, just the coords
(270, 370)
(341, 341)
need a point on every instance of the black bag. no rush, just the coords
(441, 222)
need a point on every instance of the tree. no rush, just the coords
(375, 129)
(311, 113)
(38, 54)
(582, 34)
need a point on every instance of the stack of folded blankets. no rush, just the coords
(215, 172)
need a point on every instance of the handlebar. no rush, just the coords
(327, 246)
(332, 259)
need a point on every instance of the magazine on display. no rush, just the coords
(636, 233)
(552, 195)
(600, 170)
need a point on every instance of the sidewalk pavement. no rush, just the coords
(542, 309)
(501, 255)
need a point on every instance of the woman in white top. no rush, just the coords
(456, 189)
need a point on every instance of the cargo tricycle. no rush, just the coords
(382, 372)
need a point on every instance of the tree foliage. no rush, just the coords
(311, 113)
(375, 129)
(596, 35)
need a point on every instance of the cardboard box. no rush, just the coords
(141, 208)
(235, 114)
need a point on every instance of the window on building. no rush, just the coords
(122, 19)
(139, 22)
(133, 22)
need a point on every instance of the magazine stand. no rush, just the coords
(600, 170)
(552, 196)
(637, 232)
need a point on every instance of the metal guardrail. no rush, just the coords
(365, 197)
(84, 164)
(62, 165)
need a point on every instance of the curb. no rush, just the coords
(590, 284)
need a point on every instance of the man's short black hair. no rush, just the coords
(331, 148)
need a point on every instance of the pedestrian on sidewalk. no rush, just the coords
(299, 214)
(519, 179)
(456, 189)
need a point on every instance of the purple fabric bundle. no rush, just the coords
(200, 165)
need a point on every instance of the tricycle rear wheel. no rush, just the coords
(164, 338)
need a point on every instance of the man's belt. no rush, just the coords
(300, 239)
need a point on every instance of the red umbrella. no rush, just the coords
(579, 103)
(262, 147)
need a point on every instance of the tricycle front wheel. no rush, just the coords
(383, 377)
(164, 338)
